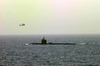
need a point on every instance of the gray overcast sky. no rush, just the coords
(50, 17)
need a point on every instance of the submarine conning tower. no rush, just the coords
(43, 41)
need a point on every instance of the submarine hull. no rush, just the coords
(52, 44)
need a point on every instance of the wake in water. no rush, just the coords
(27, 43)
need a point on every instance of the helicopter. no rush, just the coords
(22, 24)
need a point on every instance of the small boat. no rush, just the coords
(87, 42)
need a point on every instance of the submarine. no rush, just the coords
(44, 42)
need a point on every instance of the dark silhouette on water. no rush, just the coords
(43, 42)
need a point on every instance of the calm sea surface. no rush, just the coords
(15, 52)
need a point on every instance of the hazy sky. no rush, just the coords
(50, 17)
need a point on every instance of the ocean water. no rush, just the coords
(15, 52)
